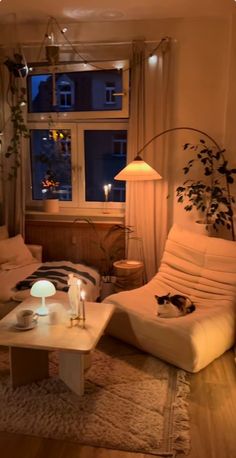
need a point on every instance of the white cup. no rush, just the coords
(53, 317)
(25, 317)
(54, 314)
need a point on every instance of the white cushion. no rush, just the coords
(3, 232)
(14, 252)
(9, 278)
(200, 267)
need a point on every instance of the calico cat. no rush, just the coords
(176, 305)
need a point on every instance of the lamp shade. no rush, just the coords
(43, 288)
(138, 170)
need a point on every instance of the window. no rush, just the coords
(109, 93)
(79, 158)
(119, 145)
(101, 165)
(79, 92)
(65, 93)
(73, 160)
(50, 151)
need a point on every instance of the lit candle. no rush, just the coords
(106, 191)
(82, 296)
(78, 296)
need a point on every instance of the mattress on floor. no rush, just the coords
(10, 278)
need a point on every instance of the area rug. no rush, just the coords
(132, 402)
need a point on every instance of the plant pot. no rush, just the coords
(51, 205)
(107, 288)
(52, 54)
(203, 228)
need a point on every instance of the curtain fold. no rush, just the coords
(147, 202)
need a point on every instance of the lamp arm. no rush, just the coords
(172, 129)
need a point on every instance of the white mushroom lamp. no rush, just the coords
(42, 288)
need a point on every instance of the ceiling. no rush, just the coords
(66, 11)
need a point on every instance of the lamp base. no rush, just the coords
(42, 311)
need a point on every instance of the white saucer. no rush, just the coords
(19, 327)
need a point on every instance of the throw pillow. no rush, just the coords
(14, 252)
(3, 233)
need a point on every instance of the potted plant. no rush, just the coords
(112, 248)
(49, 190)
(211, 195)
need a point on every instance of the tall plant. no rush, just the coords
(211, 195)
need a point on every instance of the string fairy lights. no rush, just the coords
(53, 28)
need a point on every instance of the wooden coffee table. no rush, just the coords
(28, 350)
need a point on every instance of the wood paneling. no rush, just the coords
(76, 242)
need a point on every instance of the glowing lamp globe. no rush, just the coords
(42, 288)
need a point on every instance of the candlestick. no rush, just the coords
(82, 296)
(107, 190)
(105, 187)
(78, 295)
(72, 293)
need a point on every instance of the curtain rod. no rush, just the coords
(85, 43)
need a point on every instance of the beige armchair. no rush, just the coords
(200, 267)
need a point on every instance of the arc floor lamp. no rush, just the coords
(139, 170)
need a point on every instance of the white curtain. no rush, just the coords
(147, 202)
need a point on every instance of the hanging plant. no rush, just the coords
(16, 98)
(19, 130)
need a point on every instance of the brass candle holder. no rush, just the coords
(77, 319)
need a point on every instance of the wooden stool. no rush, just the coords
(129, 274)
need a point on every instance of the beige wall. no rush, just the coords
(203, 76)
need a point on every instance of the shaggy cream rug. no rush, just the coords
(132, 402)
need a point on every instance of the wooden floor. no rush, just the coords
(213, 423)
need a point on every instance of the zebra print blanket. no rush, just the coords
(58, 273)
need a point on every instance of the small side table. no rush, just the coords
(129, 274)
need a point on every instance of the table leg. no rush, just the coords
(71, 370)
(27, 365)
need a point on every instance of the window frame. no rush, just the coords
(77, 164)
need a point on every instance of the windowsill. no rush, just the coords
(69, 214)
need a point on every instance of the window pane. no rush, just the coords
(102, 163)
(50, 151)
(75, 91)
